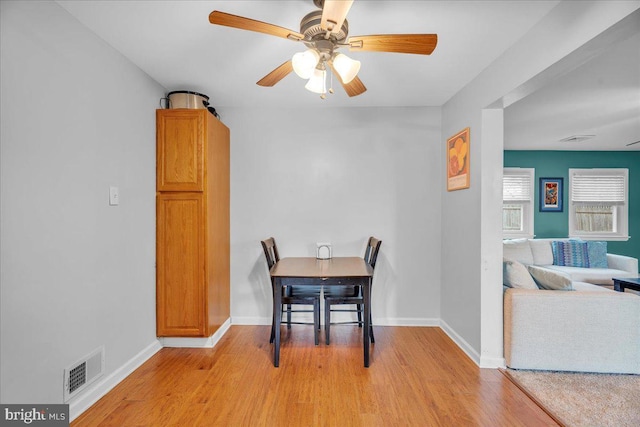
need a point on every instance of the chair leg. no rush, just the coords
(273, 331)
(327, 320)
(360, 310)
(373, 340)
(273, 323)
(316, 319)
(288, 316)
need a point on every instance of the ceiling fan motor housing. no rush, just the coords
(312, 31)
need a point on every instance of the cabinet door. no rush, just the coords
(180, 149)
(180, 287)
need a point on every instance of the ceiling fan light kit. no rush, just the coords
(323, 32)
(305, 62)
(312, 66)
(346, 67)
(317, 82)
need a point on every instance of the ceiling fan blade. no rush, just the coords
(421, 44)
(334, 13)
(276, 75)
(229, 20)
(354, 88)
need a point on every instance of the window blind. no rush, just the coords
(598, 188)
(516, 187)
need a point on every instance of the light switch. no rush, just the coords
(114, 196)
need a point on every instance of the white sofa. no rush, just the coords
(539, 252)
(585, 328)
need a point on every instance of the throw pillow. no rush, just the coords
(517, 250)
(570, 253)
(597, 254)
(550, 280)
(516, 275)
(542, 253)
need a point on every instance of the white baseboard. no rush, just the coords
(251, 321)
(460, 342)
(492, 362)
(405, 321)
(90, 396)
(392, 321)
(207, 342)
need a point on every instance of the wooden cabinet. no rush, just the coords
(192, 223)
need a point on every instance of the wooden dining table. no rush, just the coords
(309, 271)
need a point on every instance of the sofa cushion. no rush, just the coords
(549, 279)
(597, 254)
(541, 251)
(516, 275)
(517, 250)
(597, 276)
(571, 253)
(589, 287)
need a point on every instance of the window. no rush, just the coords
(598, 207)
(517, 202)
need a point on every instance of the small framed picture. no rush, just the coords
(551, 194)
(458, 154)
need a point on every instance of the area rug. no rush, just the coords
(582, 400)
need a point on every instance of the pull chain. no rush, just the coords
(331, 84)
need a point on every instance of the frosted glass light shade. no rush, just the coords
(316, 82)
(305, 62)
(346, 67)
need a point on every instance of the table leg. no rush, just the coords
(277, 298)
(366, 293)
(617, 286)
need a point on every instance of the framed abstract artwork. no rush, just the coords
(551, 194)
(458, 152)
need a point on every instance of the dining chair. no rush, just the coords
(292, 295)
(350, 295)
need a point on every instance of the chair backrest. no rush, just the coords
(371, 253)
(270, 251)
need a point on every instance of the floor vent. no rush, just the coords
(82, 373)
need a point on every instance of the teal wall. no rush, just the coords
(556, 164)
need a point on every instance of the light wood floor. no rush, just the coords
(417, 377)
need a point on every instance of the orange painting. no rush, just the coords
(458, 161)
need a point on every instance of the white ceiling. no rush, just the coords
(175, 44)
(600, 98)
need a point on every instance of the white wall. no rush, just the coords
(76, 273)
(472, 296)
(338, 175)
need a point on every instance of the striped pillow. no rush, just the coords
(570, 253)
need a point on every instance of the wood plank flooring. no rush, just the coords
(417, 377)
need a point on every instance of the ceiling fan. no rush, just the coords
(323, 32)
